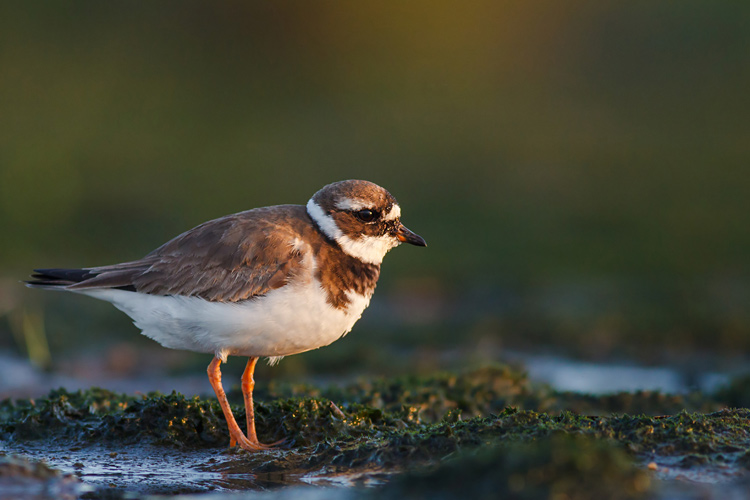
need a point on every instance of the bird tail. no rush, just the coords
(58, 278)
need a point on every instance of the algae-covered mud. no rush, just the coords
(482, 433)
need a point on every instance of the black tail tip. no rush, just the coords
(53, 277)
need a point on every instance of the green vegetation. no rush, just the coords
(434, 432)
(388, 424)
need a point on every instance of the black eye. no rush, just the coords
(366, 215)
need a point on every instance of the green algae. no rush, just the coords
(474, 393)
(485, 391)
(407, 424)
(98, 414)
(306, 416)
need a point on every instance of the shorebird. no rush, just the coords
(267, 282)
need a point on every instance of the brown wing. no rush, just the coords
(233, 258)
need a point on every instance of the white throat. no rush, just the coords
(368, 249)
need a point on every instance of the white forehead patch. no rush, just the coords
(368, 249)
(394, 213)
(350, 204)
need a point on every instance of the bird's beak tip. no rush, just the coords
(404, 235)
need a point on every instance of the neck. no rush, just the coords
(346, 275)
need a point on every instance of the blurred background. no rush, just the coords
(579, 170)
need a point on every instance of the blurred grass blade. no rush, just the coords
(27, 325)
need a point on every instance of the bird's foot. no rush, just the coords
(249, 444)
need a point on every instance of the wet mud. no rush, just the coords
(489, 430)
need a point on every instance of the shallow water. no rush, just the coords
(139, 471)
(565, 374)
(144, 470)
(147, 469)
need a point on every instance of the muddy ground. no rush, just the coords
(484, 433)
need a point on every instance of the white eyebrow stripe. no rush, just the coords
(350, 204)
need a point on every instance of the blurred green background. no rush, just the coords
(579, 169)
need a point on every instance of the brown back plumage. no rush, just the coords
(233, 258)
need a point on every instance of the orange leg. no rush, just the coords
(235, 433)
(248, 384)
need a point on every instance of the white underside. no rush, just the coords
(289, 320)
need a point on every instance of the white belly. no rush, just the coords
(288, 320)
